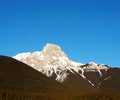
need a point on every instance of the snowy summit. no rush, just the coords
(53, 61)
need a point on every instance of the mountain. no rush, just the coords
(15, 75)
(50, 75)
(54, 63)
(51, 60)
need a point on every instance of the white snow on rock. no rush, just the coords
(21, 56)
(51, 60)
(95, 68)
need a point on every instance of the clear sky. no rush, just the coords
(86, 30)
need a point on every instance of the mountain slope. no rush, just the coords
(110, 82)
(15, 75)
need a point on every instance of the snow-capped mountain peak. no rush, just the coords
(53, 61)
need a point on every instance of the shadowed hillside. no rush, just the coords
(15, 75)
(110, 82)
(19, 81)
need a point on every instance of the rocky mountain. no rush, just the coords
(54, 63)
(51, 60)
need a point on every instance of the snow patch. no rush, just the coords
(107, 78)
(22, 55)
(91, 83)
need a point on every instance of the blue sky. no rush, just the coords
(86, 30)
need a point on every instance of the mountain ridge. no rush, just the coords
(52, 60)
